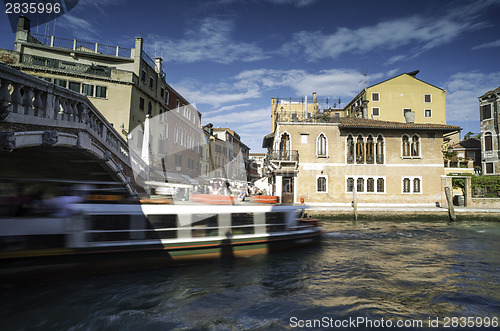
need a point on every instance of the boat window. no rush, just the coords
(275, 222)
(32, 241)
(242, 223)
(204, 225)
(165, 226)
(107, 227)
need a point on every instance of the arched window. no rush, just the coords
(321, 146)
(350, 149)
(321, 184)
(416, 185)
(350, 184)
(150, 109)
(380, 185)
(370, 185)
(415, 146)
(380, 150)
(370, 147)
(488, 141)
(406, 145)
(360, 150)
(285, 146)
(406, 185)
(360, 185)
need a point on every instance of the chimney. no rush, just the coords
(410, 117)
(414, 73)
(315, 103)
(22, 32)
(158, 66)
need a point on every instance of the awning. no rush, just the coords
(171, 177)
(267, 142)
(190, 180)
(203, 180)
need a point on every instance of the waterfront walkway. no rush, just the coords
(370, 210)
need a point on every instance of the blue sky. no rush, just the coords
(230, 57)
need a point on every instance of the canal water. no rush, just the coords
(363, 275)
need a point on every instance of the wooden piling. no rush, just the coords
(355, 203)
(449, 200)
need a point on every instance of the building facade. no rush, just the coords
(299, 110)
(392, 99)
(258, 161)
(489, 105)
(126, 86)
(382, 161)
(235, 154)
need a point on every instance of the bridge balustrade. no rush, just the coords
(30, 100)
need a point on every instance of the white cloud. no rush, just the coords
(417, 33)
(463, 90)
(492, 44)
(211, 41)
(226, 108)
(216, 94)
(251, 84)
(246, 116)
(81, 24)
(251, 125)
(80, 28)
(296, 3)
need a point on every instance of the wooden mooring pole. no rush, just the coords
(355, 203)
(449, 200)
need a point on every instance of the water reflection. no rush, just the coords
(390, 270)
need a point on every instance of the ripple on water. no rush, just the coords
(386, 270)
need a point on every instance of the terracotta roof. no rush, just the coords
(491, 92)
(348, 122)
(469, 143)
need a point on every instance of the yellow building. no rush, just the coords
(391, 99)
(126, 86)
(384, 162)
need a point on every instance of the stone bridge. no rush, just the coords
(48, 132)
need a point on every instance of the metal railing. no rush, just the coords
(79, 45)
(148, 60)
(277, 155)
(63, 65)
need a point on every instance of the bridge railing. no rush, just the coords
(30, 100)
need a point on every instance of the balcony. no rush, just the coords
(458, 164)
(34, 60)
(282, 161)
(291, 156)
(487, 154)
(78, 45)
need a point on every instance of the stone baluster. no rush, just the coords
(57, 107)
(16, 97)
(4, 91)
(94, 126)
(63, 109)
(72, 111)
(28, 100)
(81, 109)
(93, 123)
(38, 103)
(102, 129)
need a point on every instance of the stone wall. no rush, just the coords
(485, 202)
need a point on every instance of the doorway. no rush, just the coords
(287, 190)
